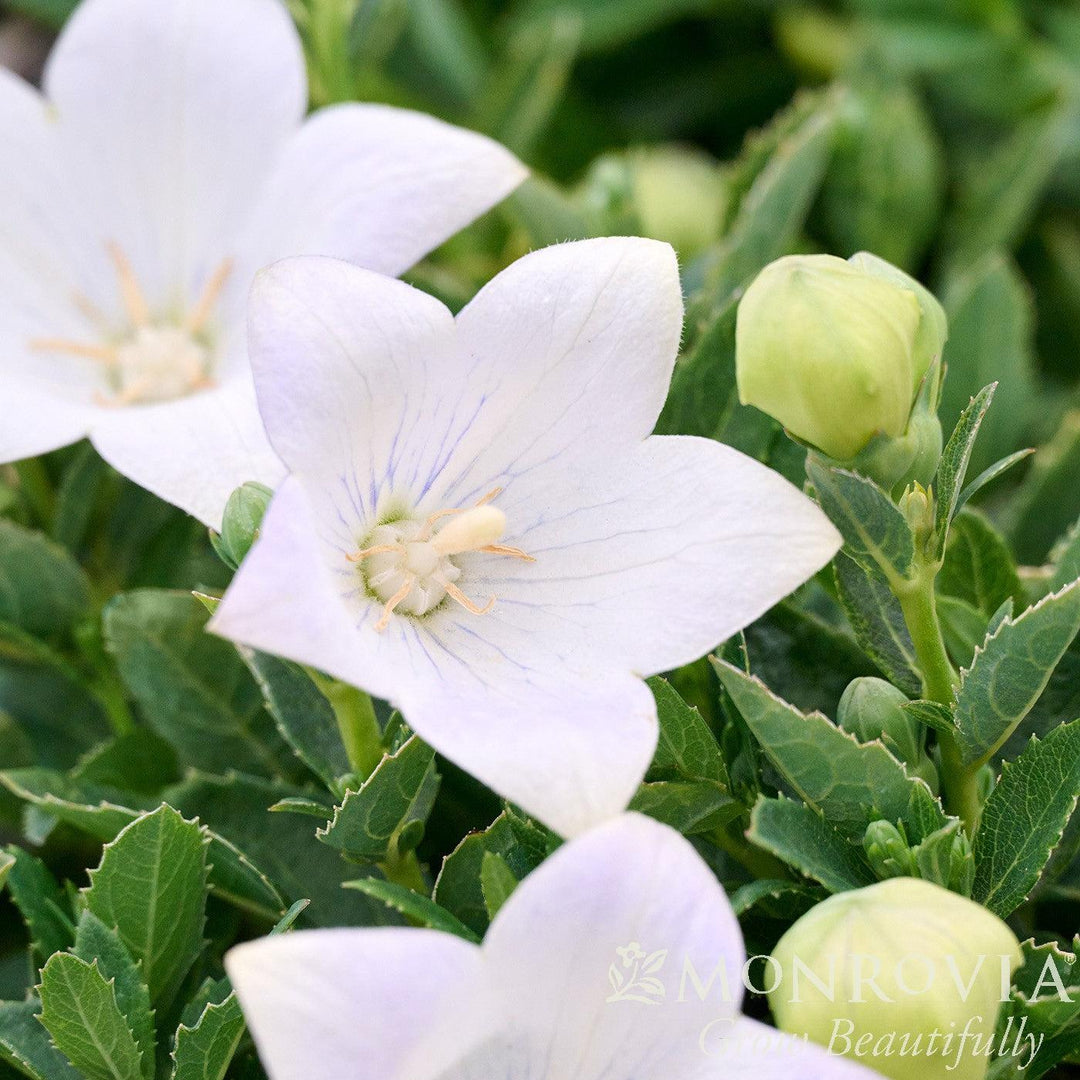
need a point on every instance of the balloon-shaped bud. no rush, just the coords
(834, 350)
(904, 976)
(870, 708)
(241, 522)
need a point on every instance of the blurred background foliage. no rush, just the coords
(944, 135)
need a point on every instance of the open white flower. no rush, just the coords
(165, 163)
(546, 996)
(478, 526)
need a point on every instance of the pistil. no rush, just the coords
(411, 566)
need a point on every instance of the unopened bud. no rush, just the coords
(901, 964)
(241, 522)
(836, 351)
(888, 851)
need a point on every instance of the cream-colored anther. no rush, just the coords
(472, 530)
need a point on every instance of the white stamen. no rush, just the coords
(154, 359)
(413, 572)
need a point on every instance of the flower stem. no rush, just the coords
(919, 605)
(356, 720)
(405, 870)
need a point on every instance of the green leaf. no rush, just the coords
(874, 530)
(1025, 817)
(96, 943)
(151, 888)
(233, 876)
(962, 626)
(283, 846)
(25, 1044)
(529, 80)
(703, 393)
(690, 807)
(386, 816)
(686, 749)
(497, 881)
(7, 861)
(302, 713)
(53, 13)
(522, 844)
(76, 494)
(978, 566)
(193, 688)
(413, 905)
(776, 181)
(878, 621)
(803, 648)
(42, 904)
(43, 590)
(989, 475)
(204, 1052)
(850, 783)
(999, 193)
(1066, 559)
(932, 714)
(1011, 670)
(952, 468)
(80, 1011)
(801, 837)
(990, 339)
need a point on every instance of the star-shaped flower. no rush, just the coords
(478, 526)
(533, 1002)
(168, 160)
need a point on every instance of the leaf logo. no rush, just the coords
(633, 975)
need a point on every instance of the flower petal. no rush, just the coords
(556, 974)
(173, 115)
(338, 1004)
(743, 1048)
(283, 601)
(378, 186)
(570, 749)
(650, 559)
(36, 422)
(44, 396)
(193, 451)
(572, 349)
(354, 374)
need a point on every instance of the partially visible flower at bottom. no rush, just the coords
(478, 526)
(533, 1002)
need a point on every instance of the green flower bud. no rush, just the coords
(870, 709)
(671, 193)
(934, 325)
(888, 851)
(834, 350)
(241, 522)
(904, 977)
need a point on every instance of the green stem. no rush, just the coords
(919, 604)
(761, 864)
(356, 720)
(405, 870)
(37, 489)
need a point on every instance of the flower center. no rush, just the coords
(150, 359)
(409, 565)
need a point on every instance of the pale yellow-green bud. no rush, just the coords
(670, 192)
(903, 976)
(836, 350)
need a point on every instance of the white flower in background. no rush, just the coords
(167, 160)
(478, 526)
(533, 1002)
